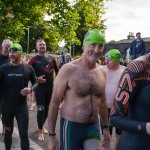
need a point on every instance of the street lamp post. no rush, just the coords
(70, 49)
(28, 45)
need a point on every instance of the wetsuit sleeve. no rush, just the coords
(129, 86)
(56, 68)
(33, 78)
(30, 62)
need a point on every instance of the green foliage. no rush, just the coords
(67, 21)
(111, 42)
(90, 12)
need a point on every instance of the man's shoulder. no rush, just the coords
(69, 65)
(122, 67)
(5, 66)
(102, 70)
(25, 65)
(33, 57)
(134, 41)
(102, 66)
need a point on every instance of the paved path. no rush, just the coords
(16, 141)
(33, 134)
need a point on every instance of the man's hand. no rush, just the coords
(26, 91)
(41, 79)
(106, 141)
(53, 143)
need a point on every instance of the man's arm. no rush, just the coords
(60, 86)
(33, 79)
(31, 61)
(131, 48)
(103, 111)
(59, 90)
(143, 48)
(56, 68)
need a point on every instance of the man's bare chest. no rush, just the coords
(88, 84)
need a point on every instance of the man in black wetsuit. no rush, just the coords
(131, 109)
(14, 78)
(43, 65)
(4, 55)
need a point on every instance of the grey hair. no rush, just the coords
(6, 41)
(40, 40)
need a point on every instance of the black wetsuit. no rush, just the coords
(3, 59)
(131, 109)
(43, 66)
(12, 80)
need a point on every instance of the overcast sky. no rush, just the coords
(124, 16)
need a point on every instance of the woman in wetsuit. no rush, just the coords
(131, 109)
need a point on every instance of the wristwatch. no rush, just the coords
(106, 126)
(51, 134)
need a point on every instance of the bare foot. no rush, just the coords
(33, 104)
(41, 137)
(45, 131)
(31, 108)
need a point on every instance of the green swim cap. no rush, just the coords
(27, 55)
(16, 47)
(93, 36)
(114, 55)
(67, 55)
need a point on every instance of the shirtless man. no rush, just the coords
(80, 84)
(113, 74)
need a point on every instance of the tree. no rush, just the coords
(67, 21)
(17, 15)
(111, 42)
(90, 12)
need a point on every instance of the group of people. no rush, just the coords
(39, 71)
(88, 91)
(88, 96)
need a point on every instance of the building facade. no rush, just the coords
(124, 45)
